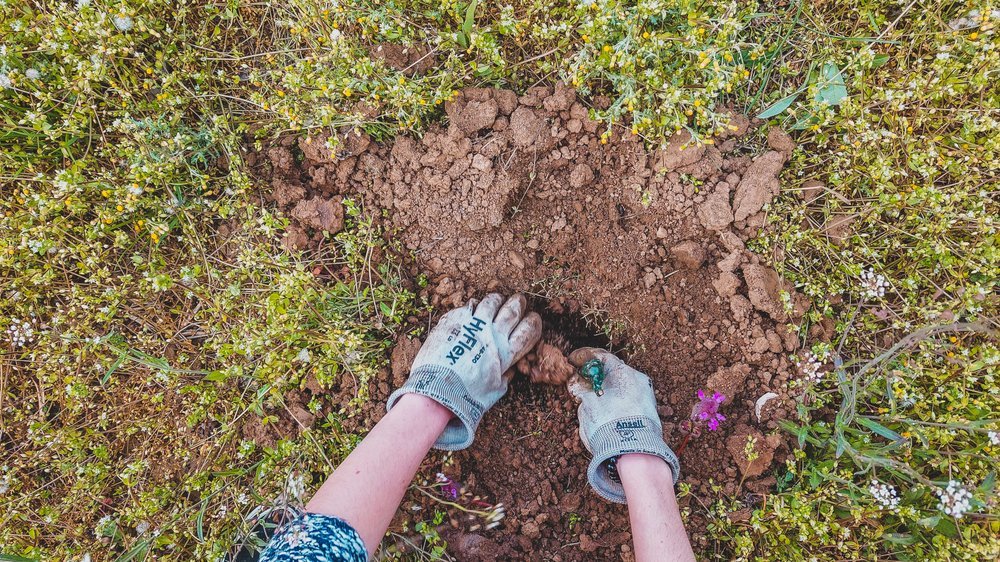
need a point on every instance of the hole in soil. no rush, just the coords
(571, 328)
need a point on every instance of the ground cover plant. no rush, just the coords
(170, 368)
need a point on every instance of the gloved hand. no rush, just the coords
(463, 362)
(623, 420)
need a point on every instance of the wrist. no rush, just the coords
(642, 467)
(429, 411)
(445, 387)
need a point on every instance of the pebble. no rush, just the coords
(515, 259)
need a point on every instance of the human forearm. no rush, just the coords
(656, 521)
(366, 488)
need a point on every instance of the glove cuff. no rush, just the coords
(444, 386)
(632, 434)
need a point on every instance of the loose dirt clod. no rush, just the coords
(520, 194)
(548, 364)
(748, 441)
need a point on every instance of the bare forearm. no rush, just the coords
(657, 528)
(365, 490)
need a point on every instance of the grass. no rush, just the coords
(151, 319)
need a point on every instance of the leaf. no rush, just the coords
(947, 528)
(199, 522)
(778, 107)
(841, 445)
(988, 483)
(832, 90)
(13, 558)
(900, 538)
(136, 551)
(880, 60)
(216, 376)
(930, 522)
(114, 367)
(470, 17)
(880, 429)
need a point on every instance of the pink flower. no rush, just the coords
(707, 409)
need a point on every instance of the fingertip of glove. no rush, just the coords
(581, 355)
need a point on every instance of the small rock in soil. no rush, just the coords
(473, 116)
(715, 213)
(680, 152)
(474, 548)
(689, 253)
(580, 176)
(321, 214)
(728, 381)
(758, 186)
(764, 447)
(780, 140)
(727, 284)
(527, 128)
(764, 290)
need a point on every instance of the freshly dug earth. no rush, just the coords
(520, 194)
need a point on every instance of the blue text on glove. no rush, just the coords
(468, 339)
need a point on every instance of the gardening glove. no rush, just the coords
(620, 421)
(462, 364)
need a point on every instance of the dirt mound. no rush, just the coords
(522, 194)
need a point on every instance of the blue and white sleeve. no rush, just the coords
(315, 538)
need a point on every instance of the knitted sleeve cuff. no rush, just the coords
(633, 434)
(445, 387)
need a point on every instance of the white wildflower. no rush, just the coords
(32, 74)
(135, 189)
(873, 285)
(810, 367)
(20, 332)
(102, 526)
(296, 486)
(5, 82)
(303, 356)
(4, 484)
(955, 499)
(335, 36)
(86, 557)
(123, 22)
(994, 437)
(141, 527)
(884, 494)
(81, 4)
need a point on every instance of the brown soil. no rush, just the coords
(520, 194)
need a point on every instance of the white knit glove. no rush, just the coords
(622, 420)
(463, 361)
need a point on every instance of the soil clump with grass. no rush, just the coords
(642, 251)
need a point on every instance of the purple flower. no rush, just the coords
(448, 486)
(707, 409)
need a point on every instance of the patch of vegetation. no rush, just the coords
(151, 321)
(888, 223)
